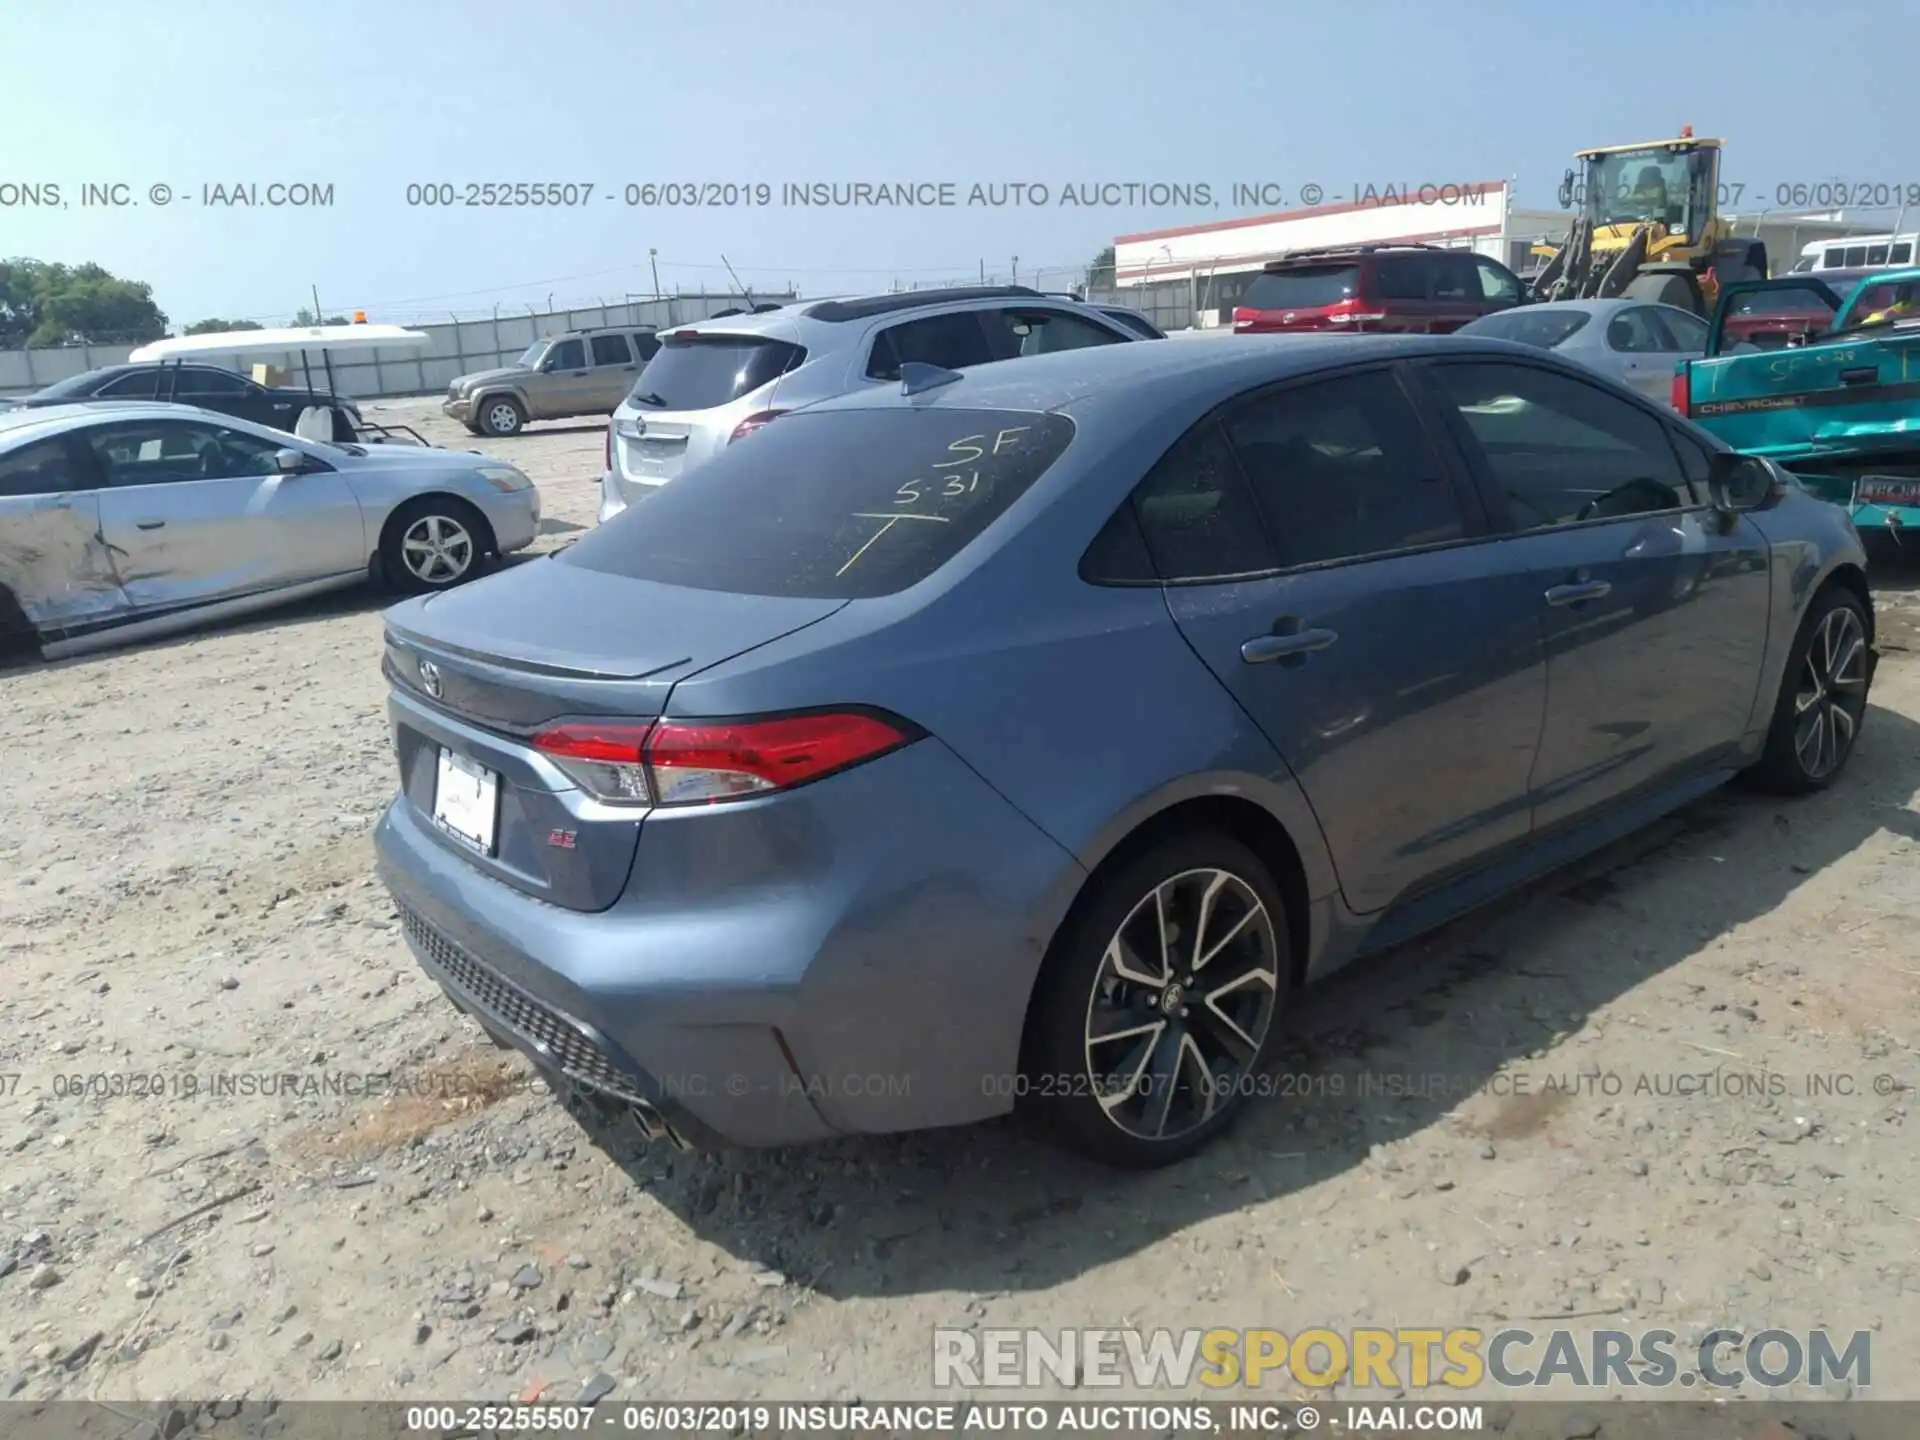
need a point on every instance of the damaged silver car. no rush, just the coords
(120, 521)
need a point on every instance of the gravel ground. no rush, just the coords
(186, 901)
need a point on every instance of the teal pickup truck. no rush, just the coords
(1835, 401)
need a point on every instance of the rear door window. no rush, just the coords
(1198, 515)
(1454, 278)
(1636, 332)
(44, 468)
(838, 505)
(698, 372)
(611, 350)
(1342, 469)
(1302, 287)
(138, 385)
(1402, 277)
(952, 342)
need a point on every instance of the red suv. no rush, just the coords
(1411, 289)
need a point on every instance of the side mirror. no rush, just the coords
(1738, 482)
(291, 462)
(1566, 191)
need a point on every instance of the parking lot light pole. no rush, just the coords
(654, 264)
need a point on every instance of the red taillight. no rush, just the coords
(696, 762)
(1680, 396)
(1354, 312)
(1243, 316)
(752, 423)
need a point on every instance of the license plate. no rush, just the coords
(1889, 492)
(466, 800)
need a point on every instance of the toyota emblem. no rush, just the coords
(430, 678)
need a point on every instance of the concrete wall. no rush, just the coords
(455, 349)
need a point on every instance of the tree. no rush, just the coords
(1100, 272)
(304, 320)
(44, 303)
(214, 327)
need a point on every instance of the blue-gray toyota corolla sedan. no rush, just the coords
(1030, 736)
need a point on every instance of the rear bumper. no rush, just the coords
(853, 958)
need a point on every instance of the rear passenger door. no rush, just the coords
(1383, 646)
(613, 370)
(52, 557)
(1656, 613)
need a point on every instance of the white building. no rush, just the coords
(1195, 274)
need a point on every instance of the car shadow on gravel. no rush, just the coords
(991, 1209)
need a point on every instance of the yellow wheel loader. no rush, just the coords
(1649, 226)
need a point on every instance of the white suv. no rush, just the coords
(712, 382)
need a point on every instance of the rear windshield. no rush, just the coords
(1769, 302)
(1542, 328)
(698, 372)
(1302, 287)
(840, 505)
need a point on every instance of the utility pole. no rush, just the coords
(1016, 270)
(654, 263)
(317, 312)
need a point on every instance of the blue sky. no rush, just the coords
(373, 97)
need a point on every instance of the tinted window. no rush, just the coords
(1046, 332)
(611, 350)
(568, 355)
(1453, 277)
(1497, 284)
(135, 385)
(1197, 513)
(699, 372)
(164, 452)
(1302, 287)
(1633, 332)
(1342, 469)
(844, 504)
(1902, 253)
(1537, 326)
(209, 382)
(1561, 450)
(1402, 277)
(950, 341)
(1685, 332)
(644, 345)
(43, 468)
(1876, 255)
(1138, 324)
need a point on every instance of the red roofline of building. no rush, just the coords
(1342, 209)
(1170, 268)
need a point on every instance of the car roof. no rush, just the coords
(1586, 307)
(786, 322)
(58, 417)
(1123, 376)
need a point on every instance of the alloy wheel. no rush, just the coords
(502, 418)
(1181, 1004)
(1832, 694)
(437, 549)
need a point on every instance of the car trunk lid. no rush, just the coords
(477, 672)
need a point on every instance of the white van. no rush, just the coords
(1857, 252)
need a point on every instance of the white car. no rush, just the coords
(123, 520)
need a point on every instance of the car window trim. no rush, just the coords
(1498, 512)
(1474, 521)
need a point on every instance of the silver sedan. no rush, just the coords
(1629, 340)
(120, 521)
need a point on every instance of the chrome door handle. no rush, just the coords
(149, 524)
(1265, 649)
(1577, 593)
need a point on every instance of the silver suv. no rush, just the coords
(713, 382)
(579, 372)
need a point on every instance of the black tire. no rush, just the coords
(1110, 1112)
(458, 533)
(1663, 289)
(501, 415)
(1823, 698)
(475, 430)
